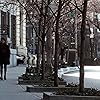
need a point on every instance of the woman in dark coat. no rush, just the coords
(4, 57)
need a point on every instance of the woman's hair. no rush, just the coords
(3, 39)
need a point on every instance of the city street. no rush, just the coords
(53, 36)
(10, 90)
(92, 77)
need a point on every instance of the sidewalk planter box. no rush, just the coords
(25, 82)
(28, 82)
(31, 82)
(50, 96)
(48, 89)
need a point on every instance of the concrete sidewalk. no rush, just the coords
(10, 90)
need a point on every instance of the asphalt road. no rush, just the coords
(92, 77)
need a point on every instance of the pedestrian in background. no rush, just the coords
(4, 57)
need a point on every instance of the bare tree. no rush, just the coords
(81, 86)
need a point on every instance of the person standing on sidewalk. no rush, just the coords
(4, 57)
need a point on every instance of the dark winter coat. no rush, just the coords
(4, 54)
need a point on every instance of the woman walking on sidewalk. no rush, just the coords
(4, 57)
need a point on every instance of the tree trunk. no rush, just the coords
(49, 42)
(56, 57)
(39, 42)
(49, 52)
(43, 56)
(81, 80)
(62, 55)
(38, 56)
(43, 44)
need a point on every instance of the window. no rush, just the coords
(98, 49)
(30, 1)
(98, 16)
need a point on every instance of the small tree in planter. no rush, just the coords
(81, 85)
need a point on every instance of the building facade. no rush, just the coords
(13, 25)
(21, 30)
(7, 23)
